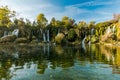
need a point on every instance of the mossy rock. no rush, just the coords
(21, 40)
(10, 38)
(34, 41)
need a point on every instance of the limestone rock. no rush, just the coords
(21, 40)
(10, 38)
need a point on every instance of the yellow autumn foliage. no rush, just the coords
(59, 38)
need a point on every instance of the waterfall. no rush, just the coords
(108, 30)
(48, 49)
(113, 29)
(44, 49)
(9, 33)
(33, 66)
(5, 33)
(15, 32)
(113, 59)
(48, 36)
(89, 43)
(16, 55)
(44, 37)
(41, 31)
(83, 43)
(58, 31)
(92, 31)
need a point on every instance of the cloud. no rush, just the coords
(96, 3)
(32, 10)
(101, 10)
(81, 11)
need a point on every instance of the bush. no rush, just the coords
(72, 35)
(94, 39)
(59, 38)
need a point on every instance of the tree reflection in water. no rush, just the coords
(34, 59)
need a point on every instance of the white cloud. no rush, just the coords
(77, 11)
(96, 3)
(50, 10)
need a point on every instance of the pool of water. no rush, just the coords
(96, 62)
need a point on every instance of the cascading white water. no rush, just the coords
(16, 55)
(89, 43)
(58, 31)
(5, 33)
(9, 33)
(108, 30)
(83, 43)
(92, 31)
(15, 32)
(33, 66)
(44, 37)
(48, 36)
(113, 29)
(44, 49)
(48, 49)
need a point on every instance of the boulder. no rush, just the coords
(9, 38)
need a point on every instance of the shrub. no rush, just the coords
(59, 38)
(72, 35)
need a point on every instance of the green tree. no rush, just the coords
(82, 26)
(72, 35)
(5, 15)
(41, 20)
(42, 24)
(53, 21)
(67, 22)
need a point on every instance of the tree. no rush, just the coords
(82, 25)
(55, 26)
(72, 35)
(21, 22)
(41, 20)
(91, 27)
(67, 22)
(53, 21)
(42, 24)
(5, 15)
(91, 24)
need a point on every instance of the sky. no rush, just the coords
(87, 10)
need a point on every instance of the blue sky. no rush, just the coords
(87, 10)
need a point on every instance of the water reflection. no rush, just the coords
(59, 62)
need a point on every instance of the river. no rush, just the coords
(22, 62)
